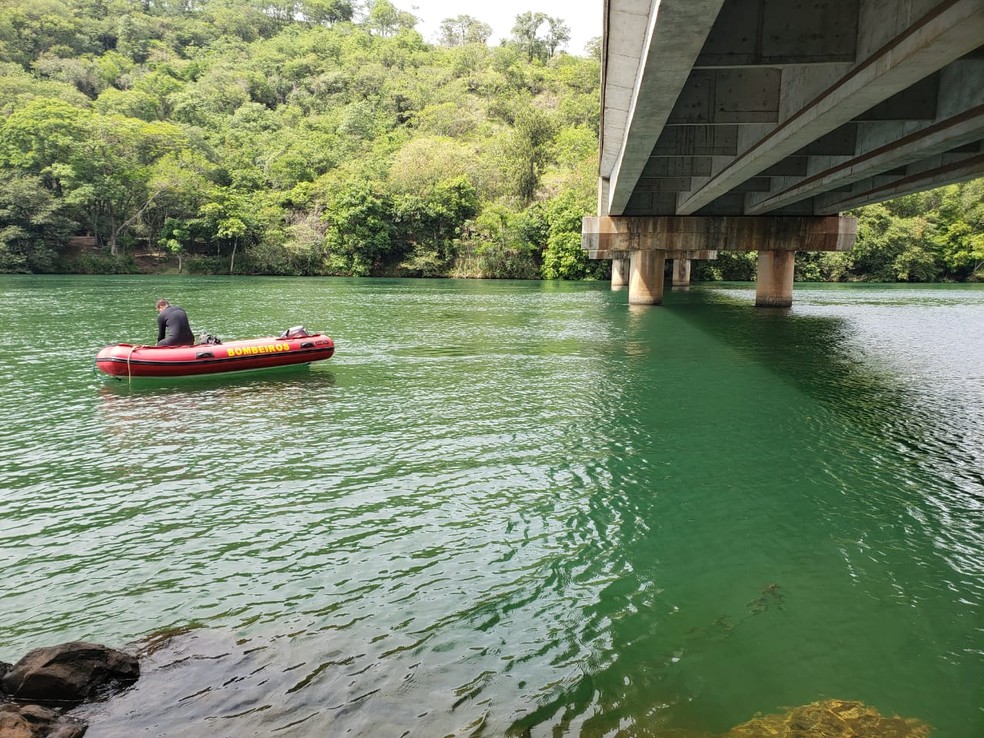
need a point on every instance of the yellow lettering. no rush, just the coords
(271, 348)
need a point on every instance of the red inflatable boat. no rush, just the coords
(124, 360)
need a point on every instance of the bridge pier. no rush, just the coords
(681, 272)
(750, 125)
(620, 272)
(646, 277)
(774, 283)
(650, 240)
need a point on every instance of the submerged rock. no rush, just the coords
(69, 674)
(830, 719)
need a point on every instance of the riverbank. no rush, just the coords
(83, 256)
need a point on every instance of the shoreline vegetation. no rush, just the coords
(328, 137)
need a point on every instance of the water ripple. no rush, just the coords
(504, 507)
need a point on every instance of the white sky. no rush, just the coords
(583, 17)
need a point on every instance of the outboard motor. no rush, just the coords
(298, 331)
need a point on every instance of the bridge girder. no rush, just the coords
(787, 107)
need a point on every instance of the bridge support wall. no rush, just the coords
(620, 272)
(646, 277)
(701, 237)
(681, 272)
(774, 283)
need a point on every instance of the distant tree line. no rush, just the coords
(291, 137)
(326, 137)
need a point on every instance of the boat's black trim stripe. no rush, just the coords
(223, 360)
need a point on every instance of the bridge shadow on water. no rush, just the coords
(787, 542)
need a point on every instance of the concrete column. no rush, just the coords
(646, 277)
(620, 273)
(681, 272)
(774, 286)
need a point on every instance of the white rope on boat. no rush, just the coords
(129, 376)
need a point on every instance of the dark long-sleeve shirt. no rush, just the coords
(172, 322)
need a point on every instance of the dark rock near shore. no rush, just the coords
(69, 674)
(37, 690)
(35, 721)
(13, 725)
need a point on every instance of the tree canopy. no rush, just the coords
(283, 136)
(327, 137)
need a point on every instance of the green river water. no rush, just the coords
(503, 508)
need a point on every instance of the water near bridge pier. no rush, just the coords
(503, 508)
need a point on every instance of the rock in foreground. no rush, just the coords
(38, 689)
(69, 674)
(831, 719)
(32, 721)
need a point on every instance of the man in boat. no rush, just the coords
(173, 328)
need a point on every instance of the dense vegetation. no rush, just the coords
(926, 237)
(292, 137)
(326, 137)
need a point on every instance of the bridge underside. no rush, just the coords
(781, 110)
(606, 237)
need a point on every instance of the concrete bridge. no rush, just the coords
(752, 124)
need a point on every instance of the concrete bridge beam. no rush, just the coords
(603, 236)
(652, 239)
(815, 105)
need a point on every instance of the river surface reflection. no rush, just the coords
(503, 508)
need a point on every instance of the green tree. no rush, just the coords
(528, 150)
(228, 219)
(42, 134)
(129, 103)
(386, 19)
(181, 182)
(890, 248)
(558, 34)
(464, 29)
(359, 233)
(563, 257)
(327, 12)
(142, 121)
(525, 34)
(503, 243)
(108, 176)
(33, 227)
(174, 235)
(959, 235)
(430, 222)
(30, 28)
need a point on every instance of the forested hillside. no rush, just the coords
(282, 137)
(326, 137)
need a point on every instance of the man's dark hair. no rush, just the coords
(162, 303)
